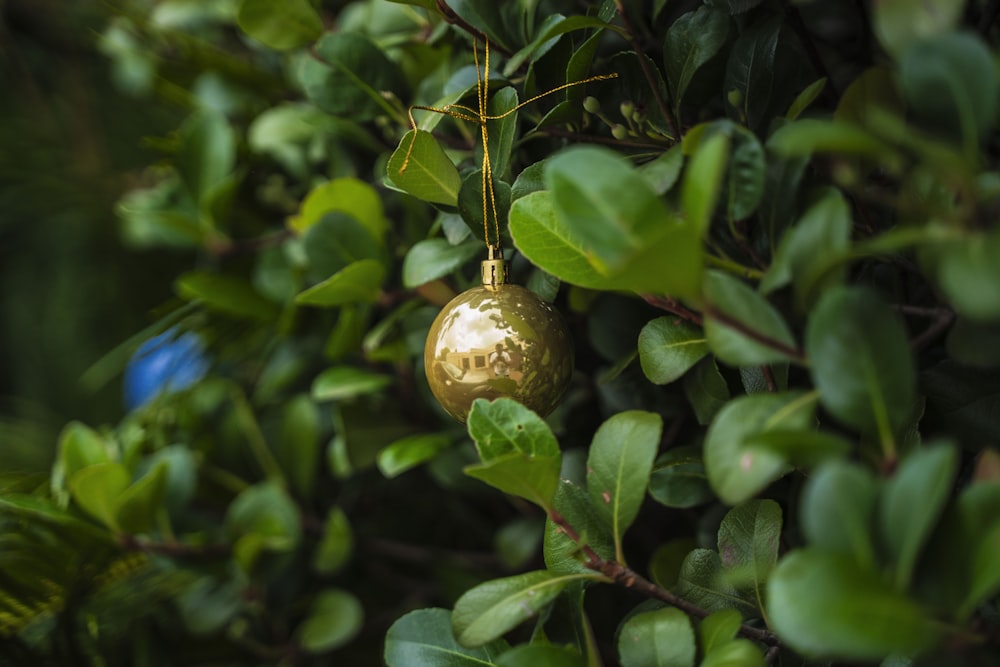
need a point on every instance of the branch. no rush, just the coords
(644, 65)
(793, 353)
(629, 578)
(670, 305)
(174, 549)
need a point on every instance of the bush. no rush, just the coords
(771, 229)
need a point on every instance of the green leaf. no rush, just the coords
(951, 87)
(837, 511)
(431, 259)
(679, 479)
(749, 537)
(80, 446)
(609, 207)
(336, 544)
(805, 98)
(471, 199)
(735, 470)
(663, 638)
(504, 427)
(136, 509)
(502, 131)
(719, 629)
(860, 361)
(97, 488)
(428, 174)
(735, 309)
(280, 25)
(358, 282)
(207, 153)
(737, 653)
(823, 230)
(912, 502)
(350, 196)
(618, 467)
(562, 554)
(809, 136)
(802, 448)
(334, 241)
(692, 41)
(262, 518)
(410, 452)
(226, 294)
(334, 619)
(751, 73)
(542, 655)
(706, 390)
(703, 181)
(969, 274)
(703, 583)
(297, 448)
(529, 476)
(486, 612)
(423, 638)
(347, 75)
(342, 382)
(849, 612)
(899, 23)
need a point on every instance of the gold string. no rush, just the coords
(480, 117)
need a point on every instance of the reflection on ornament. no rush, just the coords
(498, 340)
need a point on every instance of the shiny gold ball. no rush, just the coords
(498, 341)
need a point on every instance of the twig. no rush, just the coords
(174, 549)
(670, 305)
(794, 353)
(772, 385)
(629, 578)
(646, 72)
(935, 329)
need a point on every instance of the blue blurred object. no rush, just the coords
(164, 363)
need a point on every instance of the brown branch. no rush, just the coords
(772, 385)
(629, 578)
(646, 72)
(794, 353)
(174, 549)
(671, 305)
(935, 329)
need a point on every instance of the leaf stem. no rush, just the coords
(733, 267)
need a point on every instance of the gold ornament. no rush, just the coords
(498, 340)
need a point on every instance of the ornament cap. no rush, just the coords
(494, 269)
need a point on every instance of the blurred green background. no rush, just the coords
(71, 141)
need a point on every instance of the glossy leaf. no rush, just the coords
(749, 537)
(504, 426)
(679, 479)
(297, 448)
(470, 205)
(860, 361)
(542, 655)
(737, 653)
(805, 98)
(280, 26)
(263, 518)
(849, 613)
(335, 618)
(139, 505)
(737, 309)
(706, 390)
(428, 174)
(97, 488)
(435, 258)
(336, 544)
(692, 41)
(719, 629)
(79, 447)
(347, 75)
(207, 153)
(809, 136)
(751, 73)
(968, 273)
(533, 477)
(912, 502)
(486, 612)
(423, 638)
(663, 637)
(703, 181)
(737, 471)
(618, 467)
(226, 294)
(350, 196)
(342, 382)
(410, 452)
(802, 448)
(358, 282)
